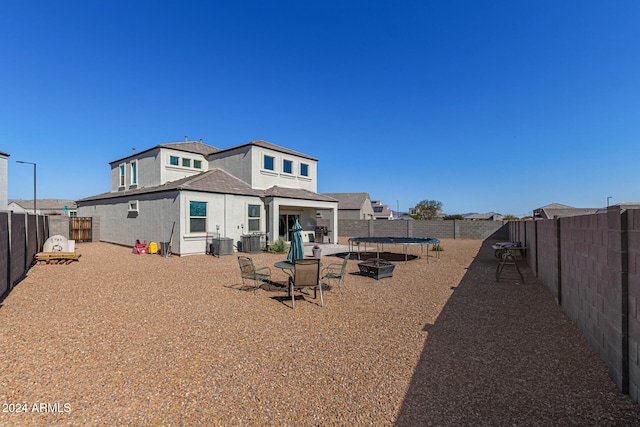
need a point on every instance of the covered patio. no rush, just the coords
(284, 205)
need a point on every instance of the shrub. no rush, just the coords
(437, 247)
(279, 247)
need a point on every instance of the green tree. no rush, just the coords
(510, 217)
(451, 217)
(428, 209)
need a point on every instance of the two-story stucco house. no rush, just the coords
(196, 189)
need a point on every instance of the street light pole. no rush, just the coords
(35, 211)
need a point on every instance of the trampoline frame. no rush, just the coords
(404, 241)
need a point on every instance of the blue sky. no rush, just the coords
(501, 106)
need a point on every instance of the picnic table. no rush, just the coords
(509, 255)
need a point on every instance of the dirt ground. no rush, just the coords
(140, 340)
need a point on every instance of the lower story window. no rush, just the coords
(254, 218)
(197, 217)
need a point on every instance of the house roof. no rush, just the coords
(270, 146)
(191, 147)
(348, 201)
(559, 210)
(215, 181)
(487, 215)
(296, 193)
(2, 153)
(44, 204)
(206, 150)
(212, 181)
(187, 147)
(557, 206)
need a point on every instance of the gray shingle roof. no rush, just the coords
(270, 146)
(350, 200)
(191, 147)
(45, 204)
(187, 147)
(296, 193)
(213, 181)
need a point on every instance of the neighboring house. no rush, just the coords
(4, 181)
(558, 210)
(351, 206)
(489, 216)
(402, 216)
(381, 211)
(45, 206)
(192, 191)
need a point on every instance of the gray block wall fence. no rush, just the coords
(21, 237)
(591, 264)
(439, 229)
(59, 225)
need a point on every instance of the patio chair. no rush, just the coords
(336, 272)
(248, 271)
(306, 274)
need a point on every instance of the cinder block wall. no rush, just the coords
(59, 225)
(20, 237)
(547, 250)
(480, 229)
(591, 283)
(95, 228)
(633, 239)
(437, 229)
(4, 253)
(532, 244)
(591, 264)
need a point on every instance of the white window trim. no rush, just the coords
(134, 178)
(206, 218)
(135, 204)
(122, 173)
(259, 218)
(264, 156)
(292, 166)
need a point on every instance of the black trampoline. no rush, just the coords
(404, 241)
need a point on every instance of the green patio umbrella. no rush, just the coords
(296, 251)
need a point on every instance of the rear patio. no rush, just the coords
(129, 339)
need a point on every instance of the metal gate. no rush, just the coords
(80, 229)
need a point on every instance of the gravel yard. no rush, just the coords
(143, 340)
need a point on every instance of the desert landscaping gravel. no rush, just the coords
(117, 339)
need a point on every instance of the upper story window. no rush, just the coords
(269, 162)
(186, 163)
(304, 169)
(197, 164)
(174, 160)
(287, 166)
(134, 172)
(121, 179)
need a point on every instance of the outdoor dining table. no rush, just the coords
(287, 266)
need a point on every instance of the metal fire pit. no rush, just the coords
(377, 268)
